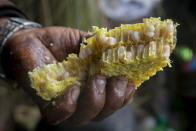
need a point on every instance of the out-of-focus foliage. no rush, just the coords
(81, 14)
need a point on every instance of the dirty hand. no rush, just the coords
(29, 48)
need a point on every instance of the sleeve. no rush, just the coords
(8, 9)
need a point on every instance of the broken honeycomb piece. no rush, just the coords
(135, 51)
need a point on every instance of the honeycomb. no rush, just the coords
(135, 51)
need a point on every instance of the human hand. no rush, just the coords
(29, 48)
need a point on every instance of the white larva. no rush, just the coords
(111, 41)
(121, 52)
(136, 36)
(102, 38)
(140, 48)
(170, 27)
(150, 34)
(151, 28)
(128, 56)
(166, 51)
(152, 48)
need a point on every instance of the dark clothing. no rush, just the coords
(8, 9)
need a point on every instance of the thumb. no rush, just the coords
(61, 108)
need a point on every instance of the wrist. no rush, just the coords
(3, 21)
(9, 27)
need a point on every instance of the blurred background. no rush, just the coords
(167, 102)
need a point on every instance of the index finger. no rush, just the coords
(63, 107)
(115, 96)
(92, 100)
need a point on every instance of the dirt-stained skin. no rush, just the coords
(29, 48)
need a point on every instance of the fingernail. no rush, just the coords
(121, 82)
(100, 84)
(130, 85)
(130, 89)
(129, 92)
(75, 93)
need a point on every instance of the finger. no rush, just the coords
(129, 92)
(63, 107)
(115, 95)
(91, 100)
(62, 41)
